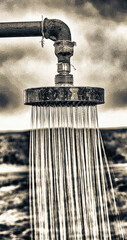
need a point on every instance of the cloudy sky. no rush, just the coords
(100, 30)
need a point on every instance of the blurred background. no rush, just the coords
(100, 30)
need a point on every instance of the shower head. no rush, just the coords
(64, 93)
(61, 96)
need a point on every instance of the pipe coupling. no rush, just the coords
(64, 80)
(64, 50)
(63, 68)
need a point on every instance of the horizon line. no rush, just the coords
(28, 130)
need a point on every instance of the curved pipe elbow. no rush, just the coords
(56, 30)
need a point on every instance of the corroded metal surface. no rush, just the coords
(64, 96)
(64, 50)
(63, 68)
(55, 29)
(20, 29)
(52, 28)
(64, 79)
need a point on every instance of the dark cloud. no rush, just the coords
(12, 54)
(16, 5)
(97, 36)
(16, 77)
(119, 98)
(118, 53)
(16, 53)
(114, 9)
(110, 8)
(97, 40)
(107, 54)
(10, 95)
(3, 99)
(111, 50)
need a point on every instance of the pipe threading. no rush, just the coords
(64, 79)
(63, 67)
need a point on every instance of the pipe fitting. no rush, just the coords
(59, 32)
(56, 30)
(64, 50)
(63, 68)
(64, 80)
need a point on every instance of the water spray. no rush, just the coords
(71, 191)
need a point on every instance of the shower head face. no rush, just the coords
(64, 96)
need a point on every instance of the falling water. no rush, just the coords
(71, 192)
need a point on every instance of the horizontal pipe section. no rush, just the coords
(21, 29)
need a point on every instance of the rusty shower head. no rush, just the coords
(61, 96)
(64, 93)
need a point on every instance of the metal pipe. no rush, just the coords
(59, 32)
(21, 29)
(51, 28)
(55, 30)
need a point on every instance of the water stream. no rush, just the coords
(71, 191)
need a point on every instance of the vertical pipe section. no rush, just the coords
(21, 29)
